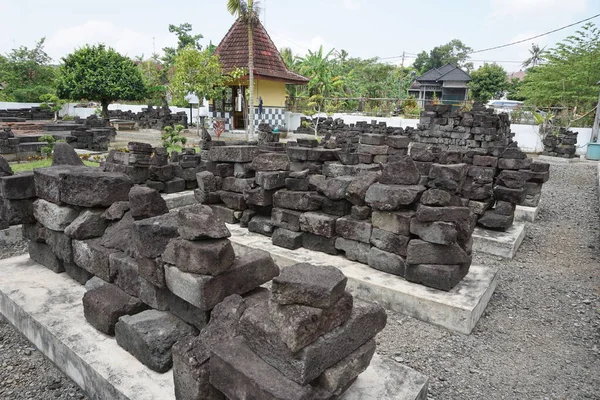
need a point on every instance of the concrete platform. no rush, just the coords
(47, 308)
(502, 244)
(180, 199)
(457, 310)
(561, 160)
(526, 214)
(11, 235)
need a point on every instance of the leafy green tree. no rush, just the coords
(454, 52)
(247, 12)
(100, 74)
(488, 82)
(513, 90)
(26, 73)
(536, 56)
(318, 67)
(52, 102)
(184, 39)
(156, 76)
(568, 77)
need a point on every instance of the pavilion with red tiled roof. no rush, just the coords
(270, 76)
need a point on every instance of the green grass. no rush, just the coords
(30, 165)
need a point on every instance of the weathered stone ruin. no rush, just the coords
(151, 117)
(17, 194)
(562, 144)
(25, 114)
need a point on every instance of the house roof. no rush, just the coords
(519, 75)
(448, 72)
(268, 64)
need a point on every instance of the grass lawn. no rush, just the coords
(28, 166)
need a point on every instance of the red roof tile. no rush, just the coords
(268, 64)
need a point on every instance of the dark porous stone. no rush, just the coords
(259, 197)
(60, 244)
(284, 218)
(511, 179)
(127, 275)
(154, 296)
(94, 258)
(116, 211)
(174, 185)
(386, 261)
(338, 208)
(118, 235)
(103, 306)
(233, 200)
(34, 231)
(514, 163)
(319, 243)
(539, 166)
(231, 154)
(238, 185)
(225, 214)
(150, 236)
(335, 188)
(357, 189)
(78, 274)
(439, 232)
(392, 197)
(436, 197)
(485, 161)
(504, 208)
(453, 172)
(146, 203)
(191, 373)
(198, 222)
(309, 285)
(207, 198)
(90, 187)
(187, 312)
(261, 224)
(318, 223)
(442, 277)
(360, 212)
(397, 222)
(353, 229)
(17, 187)
(89, 224)
(207, 181)
(301, 201)
(149, 336)
(296, 184)
(390, 242)
(270, 180)
(515, 196)
(64, 154)
(271, 162)
(162, 173)
(152, 270)
(447, 214)
(208, 257)
(400, 172)
(496, 221)
(287, 239)
(421, 252)
(41, 253)
(353, 250)
(247, 215)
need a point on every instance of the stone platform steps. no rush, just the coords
(47, 308)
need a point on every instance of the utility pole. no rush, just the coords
(596, 126)
(401, 78)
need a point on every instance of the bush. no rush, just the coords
(47, 150)
(172, 138)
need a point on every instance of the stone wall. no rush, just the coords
(152, 118)
(22, 114)
(173, 291)
(560, 145)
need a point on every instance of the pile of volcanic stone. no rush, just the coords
(306, 339)
(562, 144)
(479, 128)
(92, 133)
(31, 113)
(152, 118)
(153, 167)
(17, 194)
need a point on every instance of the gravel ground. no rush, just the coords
(539, 337)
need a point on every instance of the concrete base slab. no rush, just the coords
(457, 310)
(180, 199)
(560, 160)
(47, 308)
(11, 235)
(502, 244)
(526, 214)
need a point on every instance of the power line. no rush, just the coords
(535, 37)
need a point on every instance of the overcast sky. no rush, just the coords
(364, 28)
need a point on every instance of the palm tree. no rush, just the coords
(536, 56)
(247, 12)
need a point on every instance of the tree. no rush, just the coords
(454, 52)
(101, 74)
(184, 39)
(247, 12)
(197, 72)
(27, 74)
(52, 102)
(536, 56)
(488, 82)
(513, 90)
(568, 77)
(156, 77)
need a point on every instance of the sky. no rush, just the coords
(364, 28)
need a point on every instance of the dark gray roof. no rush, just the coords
(446, 72)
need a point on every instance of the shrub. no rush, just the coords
(172, 138)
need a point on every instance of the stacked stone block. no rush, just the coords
(562, 144)
(152, 118)
(17, 194)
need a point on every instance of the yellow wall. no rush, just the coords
(272, 92)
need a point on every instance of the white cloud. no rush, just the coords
(300, 47)
(352, 4)
(534, 8)
(125, 40)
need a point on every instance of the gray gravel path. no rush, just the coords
(539, 338)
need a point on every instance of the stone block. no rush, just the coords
(373, 139)
(207, 198)
(485, 161)
(249, 271)
(118, 235)
(397, 222)
(319, 243)
(53, 216)
(439, 232)
(175, 185)
(149, 336)
(42, 254)
(373, 150)
(338, 208)
(208, 257)
(60, 244)
(238, 185)
(496, 221)
(397, 141)
(34, 231)
(78, 274)
(152, 269)
(150, 236)
(243, 170)
(453, 172)
(224, 170)
(207, 181)
(127, 275)
(390, 242)
(64, 154)
(270, 180)
(539, 166)
(155, 297)
(198, 222)
(386, 262)
(515, 196)
(400, 172)
(309, 285)
(284, 218)
(94, 258)
(17, 187)
(116, 211)
(392, 197)
(271, 162)
(233, 200)
(187, 312)
(300, 325)
(225, 214)
(481, 174)
(360, 212)
(231, 154)
(353, 250)
(103, 306)
(146, 203)
(442, 277)
(514, 163)
(357, 189)
(447, 214)
(261, 224)
(353, 229)
(162, 173)
(287, 239)
(259, 197)
(335, 188)
(318, 223)
(89, 224)
(263, 338)
(511, 179)
(421, 252)
(296, 184)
